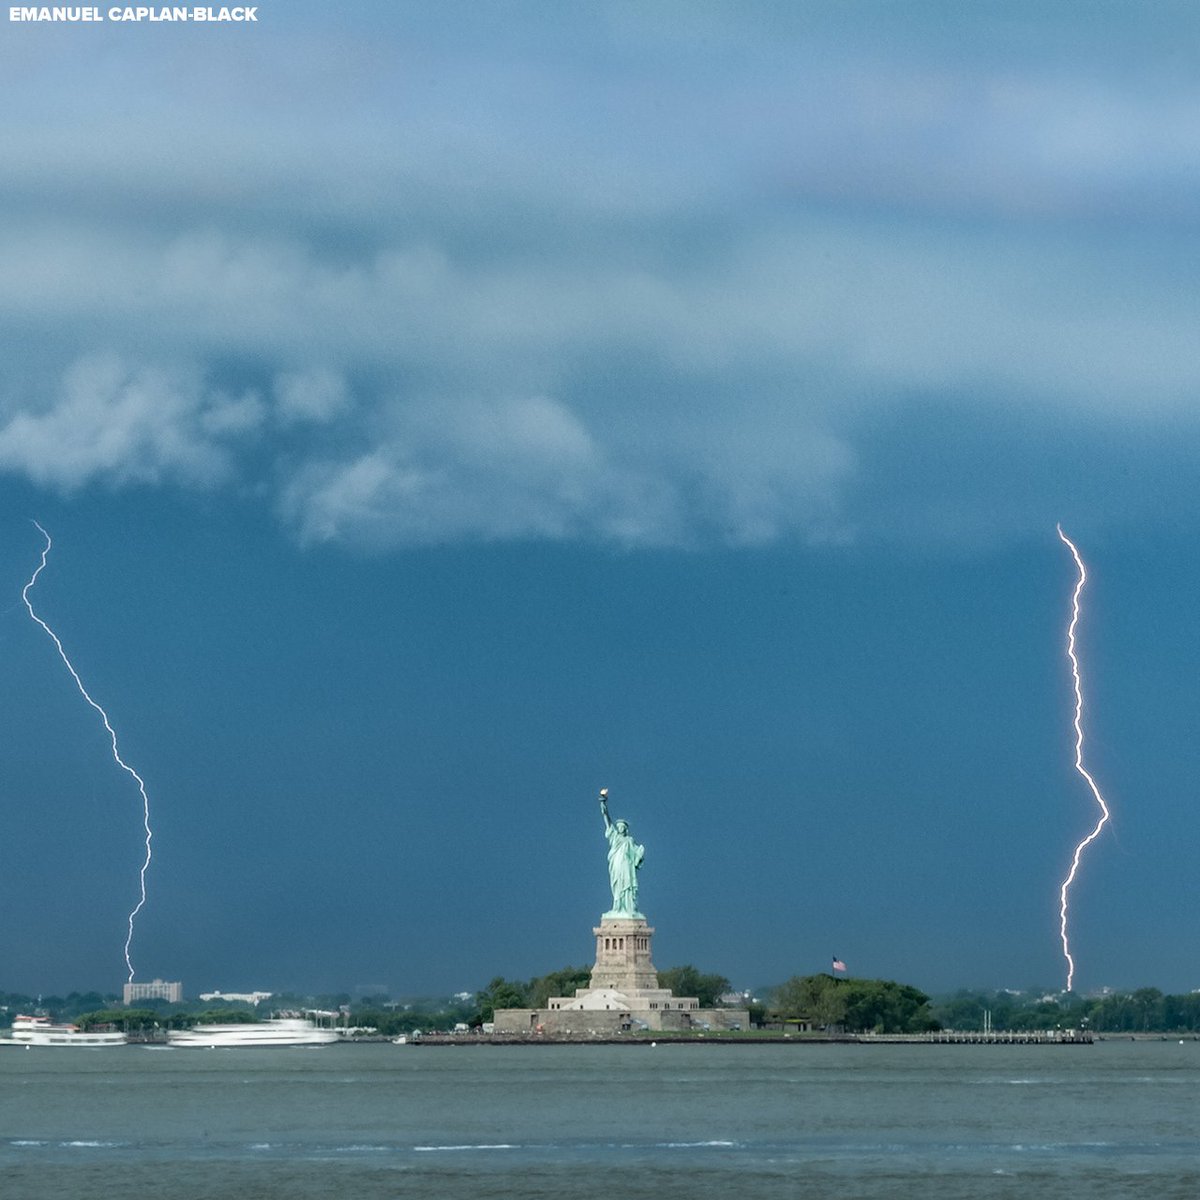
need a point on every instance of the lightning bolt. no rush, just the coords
(1078, 723)
(111, 733)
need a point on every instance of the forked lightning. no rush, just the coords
(111, 733)
(1104, 814)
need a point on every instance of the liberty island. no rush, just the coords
(623, 993)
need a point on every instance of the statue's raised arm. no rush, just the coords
(604, 809)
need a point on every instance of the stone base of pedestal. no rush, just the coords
(623, 959)
(605, 1013)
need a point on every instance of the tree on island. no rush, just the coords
(502, 993)
(513, 993)
(687, 981)
(854, 1005)
(425, 1013)
(128, 1020)
(557, 983)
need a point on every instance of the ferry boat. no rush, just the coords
(41, 1031)
(283, 1031)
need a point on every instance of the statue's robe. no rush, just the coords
(624, 858)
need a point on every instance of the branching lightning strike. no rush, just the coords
(1078, 723)
(111, 733)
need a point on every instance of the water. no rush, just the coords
(621, 1122)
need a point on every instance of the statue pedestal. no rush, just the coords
(623, 955)
(623, 995)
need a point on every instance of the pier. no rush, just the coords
(996, 1037)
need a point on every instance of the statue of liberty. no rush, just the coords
(624, 858)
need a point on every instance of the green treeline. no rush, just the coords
(882, 1006)
(133, 1020)
(1146, 1010)
(64, 1006)
(853, 1005)
(91, 1010)
(825, 1002)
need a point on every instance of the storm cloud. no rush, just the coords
(598, 278)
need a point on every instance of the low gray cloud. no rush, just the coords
(484, 469)
(120, 424)
(529, 468)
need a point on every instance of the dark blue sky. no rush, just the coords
(441, 413)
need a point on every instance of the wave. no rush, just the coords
(479, 1146)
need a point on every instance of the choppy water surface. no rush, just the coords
(1112, 1120)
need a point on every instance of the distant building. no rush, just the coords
(244, 997)
(156, 989)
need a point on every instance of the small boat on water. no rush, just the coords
(41, 1031)
(283, 1031)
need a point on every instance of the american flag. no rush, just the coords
(838, 965)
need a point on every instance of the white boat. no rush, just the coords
(41, 1031)
(284, 1031)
